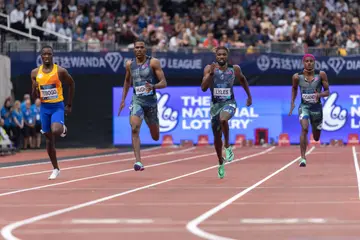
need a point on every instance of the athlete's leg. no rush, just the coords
(216, 128)
(45, 115)
(316, 119)
(136, 117)
(225, 115)
(58, 128)
(304, 122)
(50, 147)
(304, 136)
(152, 120)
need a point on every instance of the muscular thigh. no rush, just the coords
(151, 116)
(316, 119)
(304, 113)
(136, 110)
(227, 111)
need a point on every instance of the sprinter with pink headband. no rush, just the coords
(310, 83)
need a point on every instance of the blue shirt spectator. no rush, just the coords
(6, 113)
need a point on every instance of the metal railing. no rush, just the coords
(281, 48)
(8, 28)
(30, 35)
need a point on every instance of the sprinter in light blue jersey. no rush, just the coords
(220, 78)
(310, 84)
(146, 75)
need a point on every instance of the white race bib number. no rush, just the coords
(30, 121)
(141, 90)
(310, 98)
(222, 92)
(49, 92)
(37, 117)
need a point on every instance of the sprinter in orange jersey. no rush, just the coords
(47, 83)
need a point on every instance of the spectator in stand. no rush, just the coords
(29, 125)
(30, 21)
(17, 124)
(49, 25)
(7, 116)
(37, 134)
(94, 43)
(23, 103)
(205, 24)
(17, 18)
(210, 42)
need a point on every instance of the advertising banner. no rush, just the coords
(184, 113)
(187, 68)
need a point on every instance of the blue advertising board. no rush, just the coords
(174, 64)
(184, 112)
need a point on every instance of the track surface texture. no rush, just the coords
(264, 195)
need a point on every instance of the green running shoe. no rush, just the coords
(221, 171)
(302, 162)
(229, 154)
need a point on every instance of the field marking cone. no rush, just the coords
(240, 140)
(203, 140)
(167, 141)
(353, 139)
(284, 140)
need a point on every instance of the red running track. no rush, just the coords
(179, 196)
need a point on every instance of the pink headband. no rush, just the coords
(308, 55)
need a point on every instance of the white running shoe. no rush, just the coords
(54, 174)
(64, 132)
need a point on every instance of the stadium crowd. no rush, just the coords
(170, 24)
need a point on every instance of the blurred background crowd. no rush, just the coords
(170, 24)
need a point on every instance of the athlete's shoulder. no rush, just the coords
(235, 66)
(129, 62)
(60, 69)
(154, 62)
(35, 71)
(321, 72)
(298, 74)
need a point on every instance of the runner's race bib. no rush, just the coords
(141, 90)
(49, 92)
(37, 117)
(310, 98)
(222, 92)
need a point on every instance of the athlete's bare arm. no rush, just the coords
(294, 89)
(208, 76)
(159, 73)
(325, 83)
(240, 76)
(34, 85)
(66, 78)
(126, 87)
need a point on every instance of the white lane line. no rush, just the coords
(357, 169)
(282, 220)
(81, 158)
(97, 164)
(103, 175)
(6, 232)
(100, 175)
(112, 221)
(192, 226)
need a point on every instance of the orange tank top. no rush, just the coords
(50, 86)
